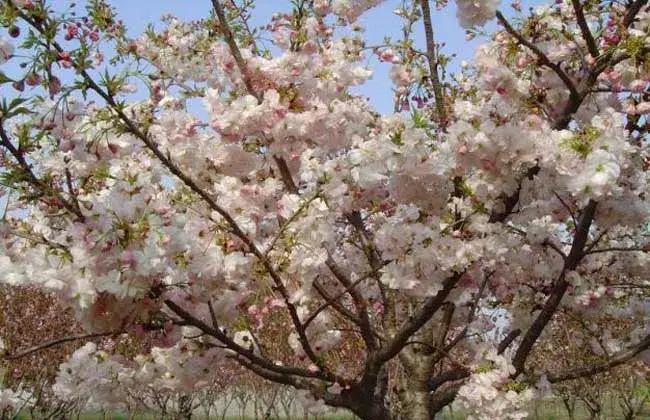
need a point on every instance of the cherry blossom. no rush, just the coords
(6, 50)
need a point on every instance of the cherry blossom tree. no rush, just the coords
(224, 188)
(27, 381)
(602, 395)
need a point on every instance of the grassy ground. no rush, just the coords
(540, 410)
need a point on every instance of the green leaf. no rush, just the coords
(4, 78)
(16, 102)
(19, 111)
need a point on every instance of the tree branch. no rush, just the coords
(584, 29)
(619, 249)
(362, 313)
(33, 179)
(438, 93)
(567, 207)
(619, 359)
(224, 27)
(471, 314)
(507, 340)
(510, 201)
(332, 301)
(56, 342)
(450, 375)
(327, 304)
(444, 398)
(543, 58)
(560, 287)
(633, 10)
(416, 322)
(244, 352)
(281, 378)
(285, 173)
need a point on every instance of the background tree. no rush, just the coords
(619, 391)
(28, 318)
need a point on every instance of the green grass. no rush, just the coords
(540, 410)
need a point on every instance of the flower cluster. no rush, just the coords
(491, 394)
(471, 13)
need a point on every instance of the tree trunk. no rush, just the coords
(570, 406)
(418, 365)
(418, 404)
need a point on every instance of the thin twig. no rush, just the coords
(56, 342)
(334, 303)
(364, 320)
(543, 58)
(338, 296)
(285, 173)
(567, 207)
(288, 222)
(33, 179)
(472, 312)
(554, 247)
(619, 249)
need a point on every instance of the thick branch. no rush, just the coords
(224, 27)
(447, 376)
(507, 340)
(285, 173)
(584, 29)
(416, 322)
(345, 399)
(510, 201)
(280, 378)
(559, 289)
(444, 398)
(633, 10)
